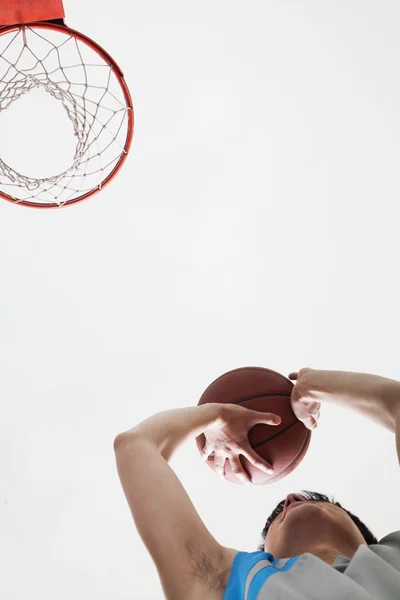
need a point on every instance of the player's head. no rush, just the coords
(320, 526)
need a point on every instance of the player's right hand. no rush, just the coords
(304, 403)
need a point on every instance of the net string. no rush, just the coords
(100, 137)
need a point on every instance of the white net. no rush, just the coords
(94, 97)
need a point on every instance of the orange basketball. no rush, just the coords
(283, 446)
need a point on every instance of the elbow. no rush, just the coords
(123, 438)
(118, 441)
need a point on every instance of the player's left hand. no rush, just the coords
(228, 439)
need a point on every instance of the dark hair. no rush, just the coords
(316, 497)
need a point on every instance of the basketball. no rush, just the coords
(283, 446)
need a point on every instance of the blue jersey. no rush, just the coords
(373, 572)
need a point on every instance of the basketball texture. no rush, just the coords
(283, 445)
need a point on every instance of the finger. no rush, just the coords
(267, 418)
(274, 419)
(219, 467)
(257, 461)
(293, 376)
(311, 423)
(239, 470)
(205, 453)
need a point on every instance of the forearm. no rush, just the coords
(377, 398)
(170, 428)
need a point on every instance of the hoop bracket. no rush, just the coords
(20, 12)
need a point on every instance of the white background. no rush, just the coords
(255, 222)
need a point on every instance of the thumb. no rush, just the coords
(267, 418)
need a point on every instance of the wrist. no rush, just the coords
(169, 429)
(377, 398)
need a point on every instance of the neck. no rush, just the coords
(329, 554)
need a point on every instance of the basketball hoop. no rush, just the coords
(37, 50)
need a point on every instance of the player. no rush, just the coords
(312, 547)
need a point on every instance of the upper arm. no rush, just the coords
(165, 517)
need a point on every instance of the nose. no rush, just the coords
(291, 499)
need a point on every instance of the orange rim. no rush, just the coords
(120, 76)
